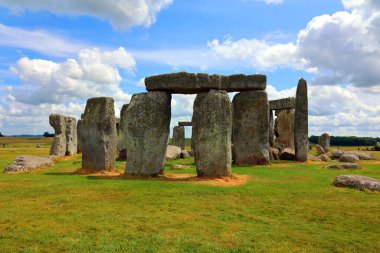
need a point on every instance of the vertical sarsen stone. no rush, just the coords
(179, 137)
(58, 122)
(301, 137)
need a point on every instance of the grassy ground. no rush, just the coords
(285, 207)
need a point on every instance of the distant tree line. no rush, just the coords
(347, 140)
(46, 134)
(1, 135)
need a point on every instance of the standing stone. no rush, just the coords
(179, 137)
(147, 131)
(271, 128)
(284, 128)
(99, 138)
(251, 128)
(122, 142)
(58, 122)
(324, 141)
(301, 138)
(71, 136)
(212, 127)
(79, 135)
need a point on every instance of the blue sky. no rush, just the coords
(54, 55)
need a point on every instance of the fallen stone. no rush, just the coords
(179, 136)
(28, 163)
(147, 132)
(324, 158)
(336, 154)
(301, 137)
(191, 152)
(324, 142)
(185, 123)
(365, 156)
(212, 127)
(275, 153)
(313, 158)
(185, 154)
(357, 182)
(320, 150)
(348, 158)
(179, 167)
(287, 154)
(351, 166)
(173, 152)
(99, 139)
(251, 128)
(191, 83)
(283, 103)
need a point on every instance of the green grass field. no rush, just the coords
(285, 207)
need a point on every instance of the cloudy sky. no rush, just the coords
(57, 54)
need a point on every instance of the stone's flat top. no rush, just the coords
(27, 163)
(358, 182)
(185, 123)
(283, 103)
(191, 83)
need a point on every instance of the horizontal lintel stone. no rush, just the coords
(283, 103)
(185, 123)
(191, 83)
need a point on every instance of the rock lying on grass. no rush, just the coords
(324, 158)
(179, 167)
(185, 154)
(337, 154)
(350, 166)
(288, 154)
(357, 182)
(173, 152)
(28, 163)
(348, 158)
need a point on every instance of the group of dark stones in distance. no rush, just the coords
(244, 132)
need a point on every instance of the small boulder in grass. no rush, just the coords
(357, 182)
(348, 158)
(179, 167)
(288, 154)
(350, 166)
(324, 158)
(185, 154)
(319, 149)
(336, 154)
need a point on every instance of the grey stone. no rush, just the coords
(324, 141)
(301, 137)
(179, 136)
(185, 123)
(287, 154)
(284, 127)
(320, 150)
(313, 158)
(348, 158)
(99, 140)
(357, 182)
(191, 152)
(275, 153)
(147, 132)
(58, 122)
(365, 156)
(71, 136)
(173, 152)
(324, 158)
(336, 154)
(350, 166)
(251, 128)
(283, 103)
(79, 135)
(185, 154)
(26, 163)
(190, 83)
(271, 128)
(121, 140)
(212, 126)
(179, 167)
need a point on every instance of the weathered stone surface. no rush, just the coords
(335, 154)
(99, 140)
(284, 128)
(301, 137)
(185, 154)
(212, 127)
(58, 122)
(27, 163)
(350, 166)
(185, 123)
(79, 135)
(357, 182)
(71, 136)
(324, 158)
(271, 128)
(179, 136)
(275, 153)
(147, 132)
(179, 167)
(287, 154)
(313, 158)
(364, 156)
(191, 152)
(348, 158)
(251, 128)
(324, 141)
(173, 152)
(190, 83)
(283, 103)
(320, 150)
(121, 140)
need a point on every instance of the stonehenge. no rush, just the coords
(245, 129)
(65, 137)
(99, 139)
(324, 141)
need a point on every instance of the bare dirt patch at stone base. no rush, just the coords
(97, 172)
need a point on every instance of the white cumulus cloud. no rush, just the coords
(122, 14)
